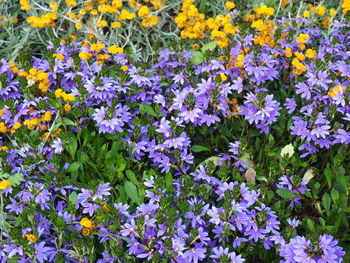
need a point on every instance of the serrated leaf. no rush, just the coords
(285, 194)
(16, 179)
(199, 148)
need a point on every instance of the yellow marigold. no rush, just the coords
(97, 47)
(264, 11)
(94, 12)
(332, 12)
(116, 25)
(230, 5)
(320, 10)
(3, 127)
(78, 26)
(30, 238)
(195, 46)
(17, 125)
(54, 6)
(47, 116)
(71, 2)
(24, 5)
(143, 11)
(4, 184)
(284, 3)
(84, 55)
(346, 6)
(58, 93)
(102, 23)
(311, 53)
(4, 148)
(58, 56)
(302, 38)
(67, 108)
(126, 15)
(85, 222)
(333, 92)
(288, 52)
(149, 22)
(82, 12)
(306, 14)
(115, 50)
(117, 3)
(125, 68)
(85, 231)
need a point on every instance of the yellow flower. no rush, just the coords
(116, 25)
(143, 11)
(115, 50)
(17, 125)
(84, 55)
(4, 148)
(195, 46)
(310, 53)
(85, 231)
(47, 116)
(31, 238)
(67, 108)
(97, 47)
(85, 222)
(332, 93)
(4, 184)
(320, 10)
(58, 56)
(302, 38)
(284, 3)
(125, 68)
(102, 23)
(230, 5)
(78, 26)
(346, 6)
(54, 6)
(288, 53)
(306, 13)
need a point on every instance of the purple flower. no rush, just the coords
(41, 252)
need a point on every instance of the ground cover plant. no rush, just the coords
(232, 146)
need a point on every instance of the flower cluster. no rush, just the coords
(106, 157)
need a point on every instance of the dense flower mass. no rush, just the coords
(234, 151)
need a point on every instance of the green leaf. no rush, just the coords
(310, 224)
(285, 194)
(148, 109)
(209, 46)
(328, 174)
(73, 197)
(199, 148)
(16, 179)
(72, 146)
(73, 167)
(197, 57)
(132, 177)
(326, 202)
(168, 181)
(69, 122)
(335, 195)
(131, 192)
